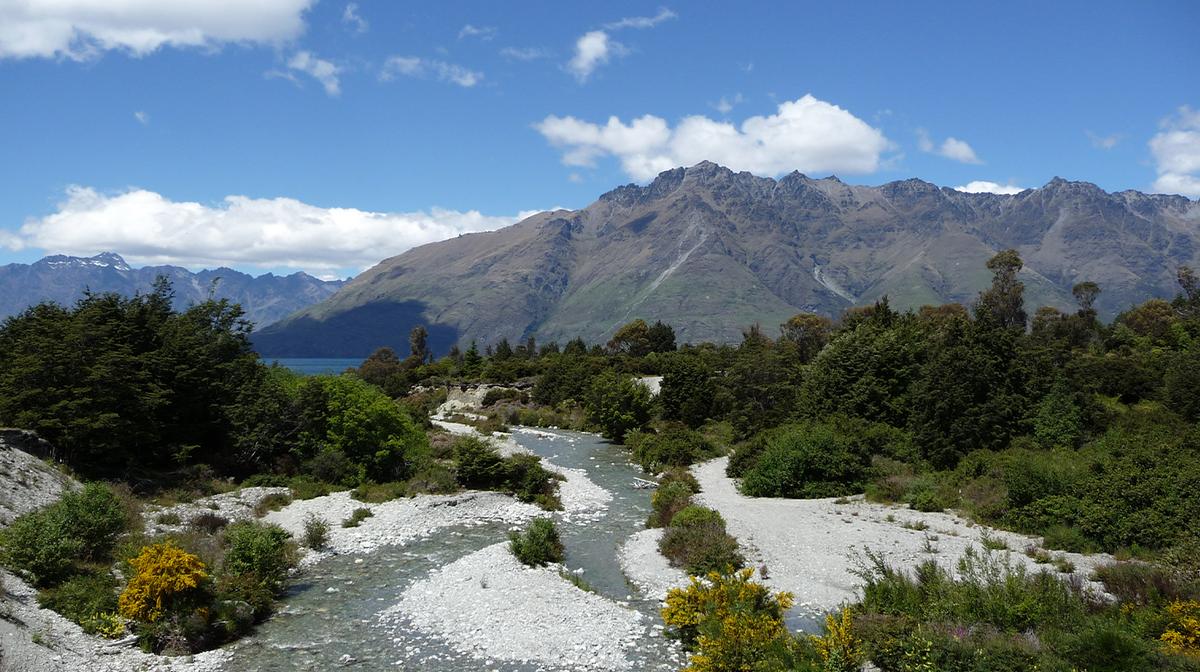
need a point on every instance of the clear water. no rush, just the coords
(313, 366)
(334, 611)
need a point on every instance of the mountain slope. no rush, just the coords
(710, 251)
(266, 298)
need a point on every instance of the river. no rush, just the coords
(330, 617)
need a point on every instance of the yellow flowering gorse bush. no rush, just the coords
(162, 573)
(728, 620)
(1184, 634)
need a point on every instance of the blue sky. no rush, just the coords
(324, 136)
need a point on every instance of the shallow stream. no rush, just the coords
(330, 618)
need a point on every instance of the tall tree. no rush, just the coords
(418, 343)
(807, 333)
(1002, 306)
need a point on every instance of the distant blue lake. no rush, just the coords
(312, 366)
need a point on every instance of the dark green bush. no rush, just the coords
(434, 478)
(680, 475)
(806, 461)
(357, 516)
(376, 493)
(82, 526)
(256, 563)
(479, 465)
(316, 532)
(696, 540)
(539, 545)
(674, 446)
(668, 499)
(83, 596)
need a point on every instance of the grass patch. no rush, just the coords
(360, 514)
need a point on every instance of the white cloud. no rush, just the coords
(319, 69)
(807, 134)
(664, 14)
(1176, 150)
(82, 29)
(726, 105)
(485, 33)
(413, 66)
(951, 148)
(353, 20)
(142, 117)
(148, 228)
(593, 49)
(523, 53)
(985, 187)
(1103, 141)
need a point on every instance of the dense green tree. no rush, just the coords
(687, 390)
(807, 333)
(660, 337)
(631, 339)
(617, 404)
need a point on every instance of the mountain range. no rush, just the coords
(710, 251)
(266, 298)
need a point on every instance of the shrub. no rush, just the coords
(208, 522)
(256, 564)
(478, 463)
(696, 541)
(333, 466)
(617, 405)
(1183, 633)
(497, 394)
(681, 475)
(728, 622)
(839, 648)
(674, 446)
(1146, 584)
(434, 478)
(539, 545)
(668, 499)
(82, 526)
(82, 597)
(316, 532)
(805, 461)
(166, 579)
(360, 514)
(304, 487)
(168, 518)
(1064, 538)
(272, 502)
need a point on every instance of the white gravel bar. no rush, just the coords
(489, 606)
(810, 546)
(646, 568)
(398, 521)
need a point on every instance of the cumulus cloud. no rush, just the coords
(413, 66)
(807, 134)
(148, 228)
(1176, 150)
(664, 14)
(985, 187)
(319, 69)
(485, 33)
(950, 148)
(592, 50)
(142, 117)
(83, 29)
(353, 20)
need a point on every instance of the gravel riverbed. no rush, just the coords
(491, 607)
(811, 546)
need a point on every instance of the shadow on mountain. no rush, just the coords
(354, 333)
